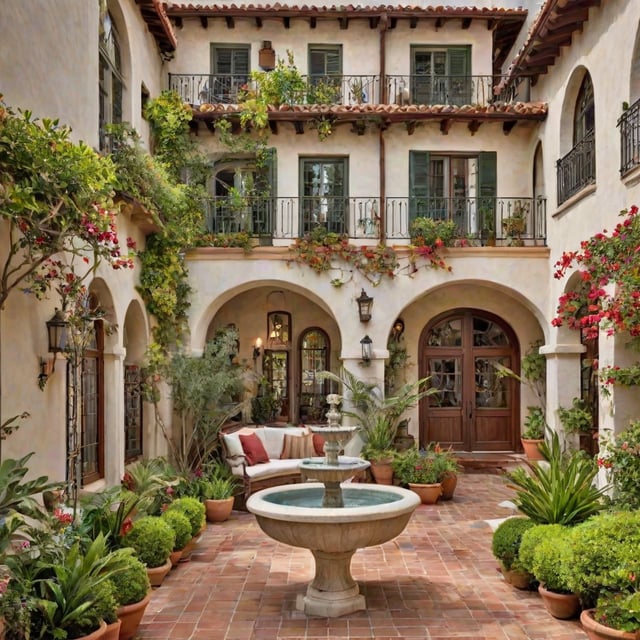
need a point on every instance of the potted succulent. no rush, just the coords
(505, 546)
(153, 539)
(182, 531)
(133, 594)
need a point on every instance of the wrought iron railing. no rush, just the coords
(199, 89)
(629, 123)
(577, 169)
(482, 221)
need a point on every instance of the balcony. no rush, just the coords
(481, 221)
(197, 89)
(577, 169)
(629, 124)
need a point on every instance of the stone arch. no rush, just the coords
(634, 81)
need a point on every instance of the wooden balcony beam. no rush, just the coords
(445, 126)
(204, 22)
(507, 126)
(473, 126)
(231, 23)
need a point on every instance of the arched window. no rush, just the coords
(111, 81)
(314, 357)
(584, 116)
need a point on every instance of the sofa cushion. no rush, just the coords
(253, 448)
(318, 444)
(297, 447)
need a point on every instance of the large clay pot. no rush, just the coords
(218, 510)
(449, 483)
(429, 493)
(98, 634)
(158, 574)
(174, 557)
(188, 550)
(560, 605)
(597, 631)
(130, 616)
(382, 472)
(112, 631)
(517, 579)
(531, 449)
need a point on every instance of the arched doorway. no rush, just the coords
(474, 410)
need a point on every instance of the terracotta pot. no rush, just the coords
(429, 493)
(531, 449)
(98, 634)
(449, 482)
(382, 472)
(517, 579)
(597, 631)
(218, 510)
(188, 550)
(175, 557)
(560, 605)
(157, 574)
(130, 616)
(113, 630)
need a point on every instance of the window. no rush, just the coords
(452, 187)
(441, 75)
(325, 73)
(132, 412)
(584, 117)
(314, 357)
(111, 82)
(229, 72)
(92, 412)
(324, 194)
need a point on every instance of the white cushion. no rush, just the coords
(272, 468)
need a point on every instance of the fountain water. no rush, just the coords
(333, 520)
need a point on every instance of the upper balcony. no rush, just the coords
(629, 123)
(479, 221)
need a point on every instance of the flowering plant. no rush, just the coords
(620, 611)
(423, 466)
(622, 454)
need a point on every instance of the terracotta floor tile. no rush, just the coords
(437, 581)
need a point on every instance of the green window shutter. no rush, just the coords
(269, 175)
(240, 62)
(227, 60)
(334, 63)
(459, 61)
(487, 190)
(459, 72)
(418, 183)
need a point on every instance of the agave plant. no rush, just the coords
(562, 491)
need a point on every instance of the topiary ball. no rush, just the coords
(505, 544)
(181, 526)
(194, 510)
(132, 584)
(152, 538)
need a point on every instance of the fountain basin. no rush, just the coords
(333, 535)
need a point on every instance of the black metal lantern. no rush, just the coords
(57, 329)
(365, 303)
(366, 343)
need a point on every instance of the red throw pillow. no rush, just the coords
(253, 449)
(318, 444)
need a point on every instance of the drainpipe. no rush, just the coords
(381, 149)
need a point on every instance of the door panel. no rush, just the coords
(474, 410)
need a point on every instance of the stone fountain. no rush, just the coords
(333, 519)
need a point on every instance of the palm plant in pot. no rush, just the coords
(153, 539)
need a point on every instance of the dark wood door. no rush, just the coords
(474, 410)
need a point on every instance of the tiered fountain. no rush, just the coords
(333, 519)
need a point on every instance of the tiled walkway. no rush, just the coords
(437, 580)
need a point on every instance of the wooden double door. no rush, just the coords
(474, 409)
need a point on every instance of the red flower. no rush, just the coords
(127, 525)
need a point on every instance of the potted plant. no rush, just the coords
(133, 594)
(421, 471)
(544, 552)
(533, 434)
(505, 546)
(153, 539)
(107, 609)
(615, 617)
(621, 455)
(218, 495)
(195, 512)
(182, 531)
(429, 232)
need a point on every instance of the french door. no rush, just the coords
(473, 409)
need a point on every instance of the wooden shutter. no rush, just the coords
(227, 60)
(418, 183)
(487, 174)
(459, 72)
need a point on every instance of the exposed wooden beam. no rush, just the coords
(178, 22)
(359, 127)
(259, 23)
(411, 127)
(491, 24)
(466, 23)
(507, 125)
(439, 23)
(344, 23)
(286, 21)
(473, 126)
(231, 23)
(393, 23)
(273, 125)
(210, 125)
(204, 22)
(413, 22)
(299, 127)
(313, 22)
(193, 125)
(445, 125)
(374, 22)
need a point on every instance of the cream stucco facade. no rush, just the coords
(49, 63)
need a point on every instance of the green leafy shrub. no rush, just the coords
(152, 538)
(531, 539)
(507, 537)
(193, 509)
(218, 488)
(429, 231)
(560, 492)
(550, 558)
(620, 611)
(624, 460)
(181, 527)
(577, 418)
(534, 424)
(604, 554)
(131, 584)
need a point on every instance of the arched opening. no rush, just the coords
(314, 357)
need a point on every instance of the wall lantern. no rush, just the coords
(365, 303)
(57, 330)
(256, 349)
(366, 350)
